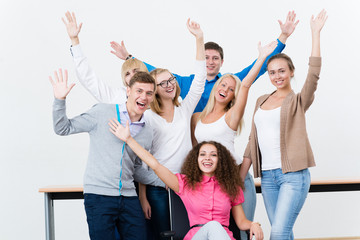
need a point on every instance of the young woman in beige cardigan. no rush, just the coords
(278, 147)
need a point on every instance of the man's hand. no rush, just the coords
(61, 90)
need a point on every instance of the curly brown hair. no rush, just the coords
(227, 172)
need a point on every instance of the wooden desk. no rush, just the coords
(59, 192)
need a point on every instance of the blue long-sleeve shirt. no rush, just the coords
(185, 81)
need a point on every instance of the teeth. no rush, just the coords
(141, 104)
(223, 95)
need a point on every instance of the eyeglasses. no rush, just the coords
(166, 83)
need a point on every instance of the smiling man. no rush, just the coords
(110, 198)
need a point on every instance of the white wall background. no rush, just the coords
(34, 43)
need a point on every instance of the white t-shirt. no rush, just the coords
(267, 124)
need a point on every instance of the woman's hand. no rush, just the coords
(119, 50)
(194, 29)
(123, 133)
(61, 90)
(318, 22)
(72, 28)
(256, 230)
(266, 50)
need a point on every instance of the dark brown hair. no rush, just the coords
(215, 46)
(226, 173)
(142, 77)
(285, 57)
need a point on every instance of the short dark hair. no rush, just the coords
(142, 77)
(216, 47)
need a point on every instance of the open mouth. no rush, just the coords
(140, 105)
(207, 164)
(170, 90)
(223, 95)
(279, 82)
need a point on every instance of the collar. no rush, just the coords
(216, 78)
(206, 179)
(124, 111)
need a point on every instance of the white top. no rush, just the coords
(92, 83)
(267, 124)
(172, 140)
(217, 131)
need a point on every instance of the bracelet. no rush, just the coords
(256, 223)
(128, 57)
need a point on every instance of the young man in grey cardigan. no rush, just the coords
(109, 192)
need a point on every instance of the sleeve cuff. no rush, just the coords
(76, 51)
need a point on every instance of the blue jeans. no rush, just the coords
(284, 195)
(106, 213)
(249, 204)
(158, 198)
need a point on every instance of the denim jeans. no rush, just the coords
(158, 198)
(106, 213)
(284, 195)
(249, 204)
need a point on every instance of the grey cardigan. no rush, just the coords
(107, 171)
(296, 152)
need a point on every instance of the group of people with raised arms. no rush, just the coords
(188, 145)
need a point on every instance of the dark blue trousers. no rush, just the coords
(158, 198)
(106, 213)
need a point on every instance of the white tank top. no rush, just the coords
(268, 133)
(217, 131)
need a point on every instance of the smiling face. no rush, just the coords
(140, 95)
(208, 159)
(280, 73)
(225, 91)
(169, 89)
(213, 63)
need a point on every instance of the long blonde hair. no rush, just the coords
(211, 102)
(156, 104)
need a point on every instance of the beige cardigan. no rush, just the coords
(296, 153)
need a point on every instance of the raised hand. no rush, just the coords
(194, 28)
(72, 28)
(61, 90)
(119, 50)
(318, 22)
(266, 50)
(289, 26)
(123, 133)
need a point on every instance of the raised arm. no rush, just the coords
(307, 93)
(316, 26)
(62, 125)
(72, 28)
(198, 83)
(236, 112)
(163, 173)
(287, 29)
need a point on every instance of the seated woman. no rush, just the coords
(209, 172)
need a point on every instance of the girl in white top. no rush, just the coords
(221, 119)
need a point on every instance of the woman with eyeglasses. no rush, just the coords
(170, 120)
